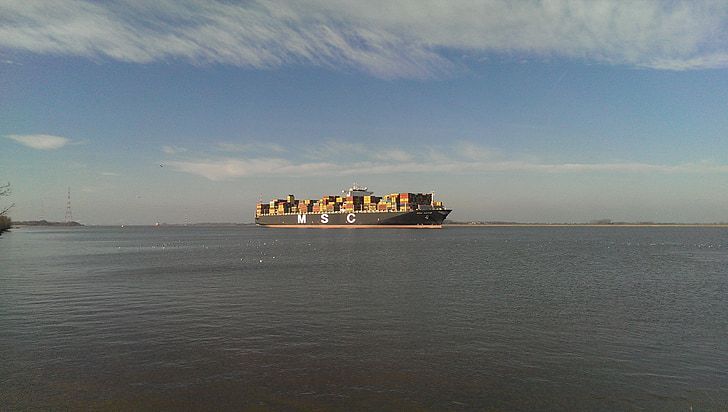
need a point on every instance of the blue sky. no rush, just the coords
(529, 111)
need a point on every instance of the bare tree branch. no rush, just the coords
(6, 190)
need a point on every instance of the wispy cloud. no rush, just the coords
(225, 169)
(335, 149)
(352, 160)
(387, 38)
(248, 147)
(173, 149)
(473, 151)
(40, 141)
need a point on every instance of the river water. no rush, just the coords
(462, 318)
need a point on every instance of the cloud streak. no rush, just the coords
(474, 160)
(173, 149)
(40, 141)
(248, 147)
(385, 38)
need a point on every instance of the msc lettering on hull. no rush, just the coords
(350, 218)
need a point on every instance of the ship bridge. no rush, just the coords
(357, 191)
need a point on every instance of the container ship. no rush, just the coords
(356, 208)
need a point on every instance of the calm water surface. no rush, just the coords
(463, 318)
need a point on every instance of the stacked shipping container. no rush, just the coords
(331, 204)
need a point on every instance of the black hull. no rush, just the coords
(411, 219)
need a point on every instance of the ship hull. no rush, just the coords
(389, 219)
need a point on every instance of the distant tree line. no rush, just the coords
(5, 221)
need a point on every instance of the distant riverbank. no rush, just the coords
(45, 223)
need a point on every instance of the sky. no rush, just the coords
(552, 111)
